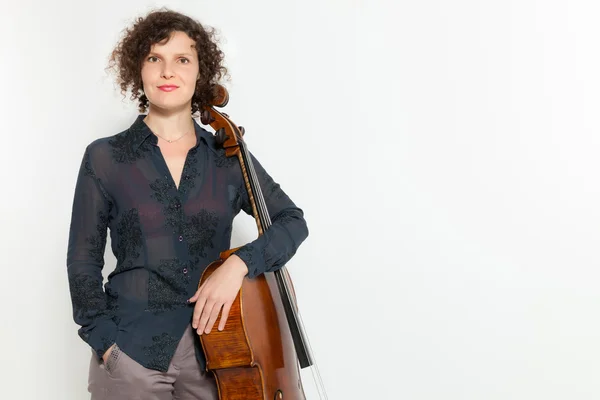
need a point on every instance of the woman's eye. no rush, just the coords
(182, 58)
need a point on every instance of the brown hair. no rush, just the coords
(127, 57)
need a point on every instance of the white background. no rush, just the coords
(445, 155)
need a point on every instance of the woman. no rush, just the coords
(169, 195)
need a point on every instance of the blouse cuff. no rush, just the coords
(253, 258)
(102, 336)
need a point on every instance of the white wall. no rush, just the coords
(445, 155)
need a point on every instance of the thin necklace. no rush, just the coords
(174, 140)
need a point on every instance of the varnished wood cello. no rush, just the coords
(259, 353)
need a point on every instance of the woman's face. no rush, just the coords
(172, 62)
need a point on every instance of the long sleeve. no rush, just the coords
(276, 246)
(85, 258)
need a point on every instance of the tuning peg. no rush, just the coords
(221, 136)
(242, 130)
(206, 118)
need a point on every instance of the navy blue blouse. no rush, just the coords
(163, 238)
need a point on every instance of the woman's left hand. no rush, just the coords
(218, 291)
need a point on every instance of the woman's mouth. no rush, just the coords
(167, 88)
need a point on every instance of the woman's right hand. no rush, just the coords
(107, 353)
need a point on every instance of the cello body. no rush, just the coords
(253, 357)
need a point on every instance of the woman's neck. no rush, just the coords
(170, 126)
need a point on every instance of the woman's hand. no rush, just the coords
(107, 353)
(218, 291)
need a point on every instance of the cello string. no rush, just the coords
(262, 205)
(314, 368)
(259, 198)
(283, 276)
(258, 194)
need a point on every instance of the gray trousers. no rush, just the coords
(122, 378)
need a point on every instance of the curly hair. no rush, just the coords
(128, 56)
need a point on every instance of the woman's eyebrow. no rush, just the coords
(178, 54)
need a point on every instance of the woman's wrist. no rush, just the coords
(239, 264)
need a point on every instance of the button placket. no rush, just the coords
(176, 205)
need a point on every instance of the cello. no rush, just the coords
(259, 353)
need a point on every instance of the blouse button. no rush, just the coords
(185, 270)
(180, 238)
